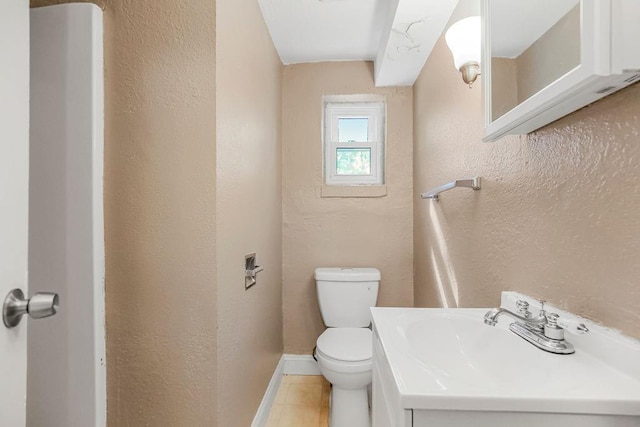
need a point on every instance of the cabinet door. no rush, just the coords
(380, 411)
(387, 410)
(543, 59)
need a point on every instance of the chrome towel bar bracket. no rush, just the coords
(473, 183)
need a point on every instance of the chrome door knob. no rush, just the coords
(42, 304)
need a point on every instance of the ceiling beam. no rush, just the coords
(411, 30)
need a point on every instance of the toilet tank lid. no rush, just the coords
(337, 274)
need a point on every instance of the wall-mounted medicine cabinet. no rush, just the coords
(543, 59)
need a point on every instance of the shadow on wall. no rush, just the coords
(313, 308)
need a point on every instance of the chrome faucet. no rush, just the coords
(491, 318)
(537, 324)
(542, 331)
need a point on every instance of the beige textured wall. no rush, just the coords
(557, 216)
(160, 211)
(325, 232)
(249, 205)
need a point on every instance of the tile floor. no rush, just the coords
(302, 401)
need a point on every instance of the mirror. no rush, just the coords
(533, 43)
(544, 59)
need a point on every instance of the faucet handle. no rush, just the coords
(523, 308)
(551, 328)
(552, 320)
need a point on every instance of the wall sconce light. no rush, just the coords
(464, 41)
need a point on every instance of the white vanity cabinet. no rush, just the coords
(543, 59)
(387, 410)
(446, 367)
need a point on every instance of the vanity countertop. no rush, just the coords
(448, 359)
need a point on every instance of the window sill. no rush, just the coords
(356, 191)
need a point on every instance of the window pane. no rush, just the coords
(353, 161)
(355, 129)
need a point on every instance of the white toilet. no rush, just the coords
(344, 350)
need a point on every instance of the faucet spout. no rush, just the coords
(491, 318)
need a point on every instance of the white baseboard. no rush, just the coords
(300, 364)
(289, 364)
(262, 414)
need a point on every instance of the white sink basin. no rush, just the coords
(449, 359)
(473, 356)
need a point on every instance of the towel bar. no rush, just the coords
(473, 183)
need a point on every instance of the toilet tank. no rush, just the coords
(346, 294)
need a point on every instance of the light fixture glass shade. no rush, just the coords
(464, 41)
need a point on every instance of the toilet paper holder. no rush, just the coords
(251, 270)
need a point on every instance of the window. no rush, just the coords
(354, 143)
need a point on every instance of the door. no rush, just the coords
(14, 196)
(51, 224)
(66, 382)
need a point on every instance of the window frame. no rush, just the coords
(375, 111)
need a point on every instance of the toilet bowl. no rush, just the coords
(345, 359)
(344, 350)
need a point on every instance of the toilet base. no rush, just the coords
(349, 408)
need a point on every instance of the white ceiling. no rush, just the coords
(516, 24)
(398, 34)
(329, 30)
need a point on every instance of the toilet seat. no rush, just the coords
(346, 345)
